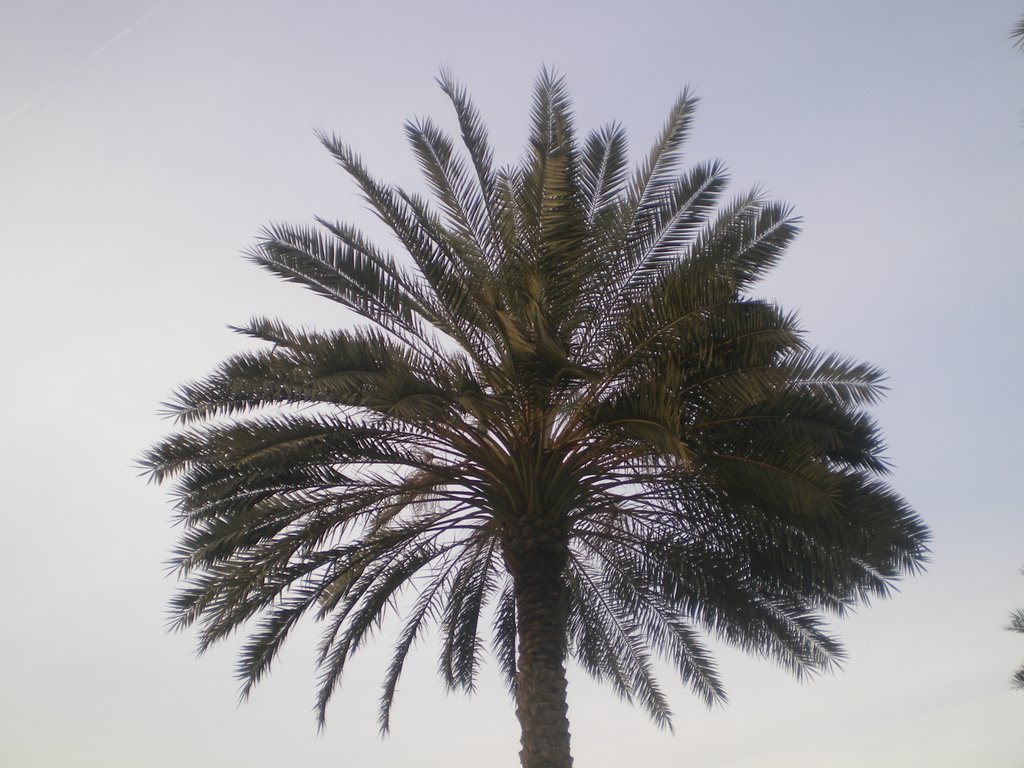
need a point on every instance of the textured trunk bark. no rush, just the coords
(540, 678)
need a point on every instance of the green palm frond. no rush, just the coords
(456, 192)
(442, 265)
(333, 269)
(657, 174)
(604, 169)
(361, 368)
(672, 223)
(474, 136)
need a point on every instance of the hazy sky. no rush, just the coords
(142, 145)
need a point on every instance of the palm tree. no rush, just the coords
(563, 414)
(1017, 625)
(1017, 617)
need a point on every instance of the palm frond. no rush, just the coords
(456, 192)
(474, 137)
(429, 245)
(604, 167)
(654, 176)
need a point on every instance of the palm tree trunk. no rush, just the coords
(540, 678)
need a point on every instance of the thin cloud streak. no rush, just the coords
(77, 69)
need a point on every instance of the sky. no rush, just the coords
(143, 145)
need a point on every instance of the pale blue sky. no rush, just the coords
(142, 145)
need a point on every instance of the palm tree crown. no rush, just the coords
(564, 415)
